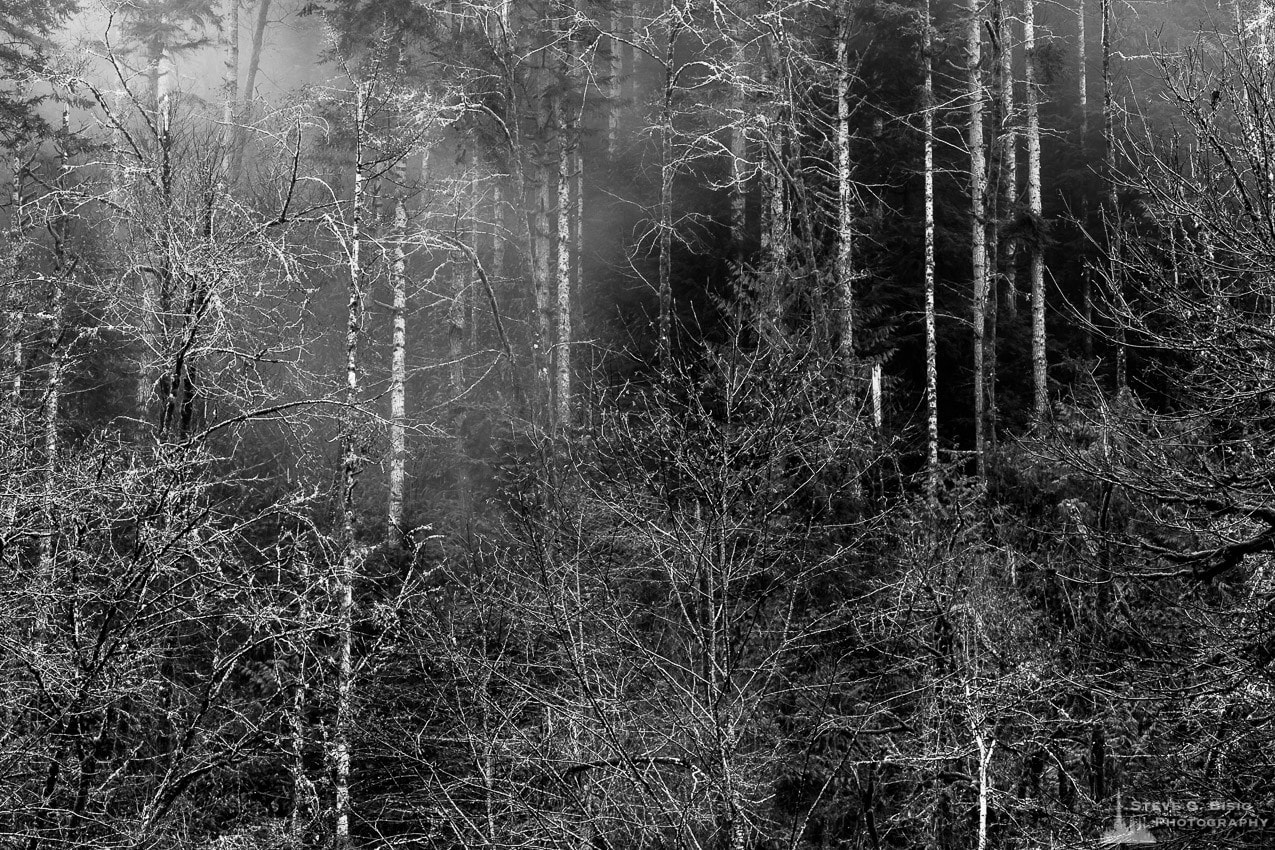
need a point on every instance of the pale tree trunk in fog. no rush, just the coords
(565, 210)
(230, 94)
(978, 235)
(243, 106)
(664, 330)
(498, 229)
(351, 468)
(458, 319)
(1114, 246)
(545, 179)
(1040, 404)
(152, 284)
(577, 237)
(254, 58)
(398, 362)
(931, 344)
(614, 74)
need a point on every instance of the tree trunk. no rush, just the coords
(1082, 83)
(665, 328)
(1008, 177)
(978, 236)
(738, 150)
(1040, 406)
(546, 178)
(565, 209)
(457, 320)
(302, 790)
(614, 74)
(931, 345)
(351, 467)
(398, 364)
(14, 312)
(1114, 247)
(230, 94)
(985, 751)
(53, 395)
(243, 109)
(845, 190)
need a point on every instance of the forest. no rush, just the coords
(606, 424)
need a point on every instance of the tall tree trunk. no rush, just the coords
(1082, 82)
(230, 93)
(931, 343)
(738, 149)
(351, 468)
(978, 236)
(302, 790)
(565, 209)
(156, 284)
(458, 317)
(243, 109)
(1040, 406)
(665, 328)
(845, 190)
(1082, 92)
(542, 255)
(53, 390)
(1008, 163)
(398, 364)
(254, 57)
(1114, 242)
(1000, 203)
(614, 74)
(14, 308)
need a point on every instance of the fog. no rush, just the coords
(292, 47)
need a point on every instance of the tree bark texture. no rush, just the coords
(1040, 406)
(978, 236)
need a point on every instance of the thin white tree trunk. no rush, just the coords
(15, 314)
(985, 751)
(845, 190)
(546, 177)
(565, 209)
(398, 364)
(978, 236)
(351, 467)
(1040, 394)
(931, 343)
(1082, 82)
